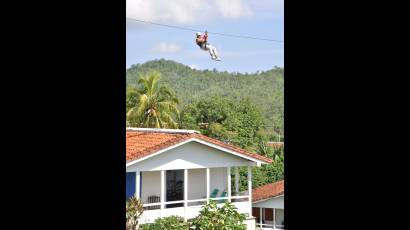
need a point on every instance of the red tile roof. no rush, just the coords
(268, 191)
(143, 143)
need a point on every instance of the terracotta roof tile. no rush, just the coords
(268, 191)
(143, 143)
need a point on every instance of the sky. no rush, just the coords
(261, 18)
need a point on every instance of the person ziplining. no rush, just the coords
(202, 42)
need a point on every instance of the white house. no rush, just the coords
(175, 172)
(268, 205)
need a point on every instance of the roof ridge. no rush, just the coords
(157, 130)
(270, 184)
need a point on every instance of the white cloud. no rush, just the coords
(268, 8)
(194, 66)
(233, 8)
(164, 47)
(186, 11)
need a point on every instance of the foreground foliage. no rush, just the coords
(211, 217)
(167, 223)
(134, 210)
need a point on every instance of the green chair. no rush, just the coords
(223, 194)
(214, 193)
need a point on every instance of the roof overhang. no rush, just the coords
(163, 130)
(269, 198)
(257, 161)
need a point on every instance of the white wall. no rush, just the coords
(190, 156)
(276, 202)
(196, 184)
(280, 216)
(219, 180)
(250, 223)
(151, 185)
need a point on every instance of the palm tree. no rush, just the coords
(156, 105)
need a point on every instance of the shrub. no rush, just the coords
(224, 218)
(167, 223)
(134, 210)
(211, 217)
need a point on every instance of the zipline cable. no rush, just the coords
(190, 29)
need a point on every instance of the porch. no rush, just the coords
(183, 192)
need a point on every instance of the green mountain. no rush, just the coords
(265, 89)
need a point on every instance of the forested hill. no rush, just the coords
(265, 89)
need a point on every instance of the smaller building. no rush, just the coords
(268, 205)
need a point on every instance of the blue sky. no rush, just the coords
(260, 18)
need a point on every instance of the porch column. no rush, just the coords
(228, 172)
(208, 186)
(260, 217)
(137, 184)
(162, 191)
(185, 193)
(250, 189)
(274, 218)
(237, 180)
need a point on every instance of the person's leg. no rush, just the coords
(206, 48)
(212, 52)
(215, 52)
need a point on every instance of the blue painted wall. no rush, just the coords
(130, 184)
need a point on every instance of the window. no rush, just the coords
(174, 187)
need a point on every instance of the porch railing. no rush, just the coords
(191, 210)
(270, 226)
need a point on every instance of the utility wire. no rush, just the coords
(190, 29)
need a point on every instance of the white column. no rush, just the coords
(264, 213)
(137, 184)
(250, 189)
(228, 172)
(185, 193)
(237, 180)
(162, 190)
(260, 217)
(208, 186)
(274, 218)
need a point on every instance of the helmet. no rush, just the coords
(197, 34)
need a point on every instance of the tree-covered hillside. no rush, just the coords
(264, 89)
